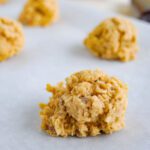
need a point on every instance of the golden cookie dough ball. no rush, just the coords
(39, 12)
(90, 103)
(11, 38)
(114, 39)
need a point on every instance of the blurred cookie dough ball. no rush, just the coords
(39, 12)
(90, 103)
(11, 38)
(115, 39)
(3, 1)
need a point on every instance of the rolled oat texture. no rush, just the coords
(11, 38)
(88, 104)
(39, 12)
(113, 39)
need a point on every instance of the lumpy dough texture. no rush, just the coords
(90, 103)
(115, 39)
(11, 38)
(39, 12)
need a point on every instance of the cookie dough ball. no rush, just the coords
(114, 39)
(2, 1)
(90, 103)
(39, 12)
(11, 38)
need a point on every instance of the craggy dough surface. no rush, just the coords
(39, 12)
(90, 103)
(115, 39)
(11, 38)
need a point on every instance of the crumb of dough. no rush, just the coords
(39, 12)
(90, 103)
(114, 39)
(11, 38)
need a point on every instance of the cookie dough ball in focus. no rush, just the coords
(11, 38)
(90, 103)
(114, 39)
(39, 12)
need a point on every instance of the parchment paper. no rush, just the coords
(50, 55)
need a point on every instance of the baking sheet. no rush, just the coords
(50, 55)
